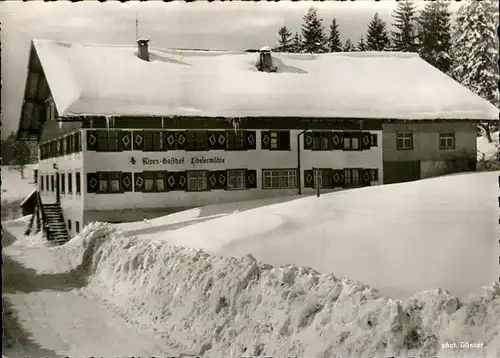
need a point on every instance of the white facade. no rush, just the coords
(75, 206)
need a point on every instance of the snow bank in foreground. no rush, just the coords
(227, 306)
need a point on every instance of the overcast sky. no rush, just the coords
(229, 25)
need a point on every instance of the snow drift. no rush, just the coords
(227, 306)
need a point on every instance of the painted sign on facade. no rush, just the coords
(183, 160)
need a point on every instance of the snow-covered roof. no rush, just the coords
(111, 80)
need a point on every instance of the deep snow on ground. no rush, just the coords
(401, 238)
(14, 188)
(485, 149)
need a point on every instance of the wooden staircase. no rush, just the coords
(54, 224)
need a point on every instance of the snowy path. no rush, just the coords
(56, 317)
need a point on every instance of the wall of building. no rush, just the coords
(71, 203)
(252, 159)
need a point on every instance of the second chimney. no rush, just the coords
(143, 51)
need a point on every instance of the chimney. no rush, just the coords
(143, 51)
(265, 60)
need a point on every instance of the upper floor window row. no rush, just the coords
(404, 140)
(196, 140)
(68, 144)
(330, 140)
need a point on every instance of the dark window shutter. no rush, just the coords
(366, 177)
(327, 178)
(308, 179)
(337, 178)
(221, 140)
(181, 140)
(177, 180)
(213, 180)
(308, 141)
(171, 181)
(213, 137)
(125, 140)
(92, 183)
(127, 181)
(284, 140)
(222, 178)
(138, 182)
(251, 141)
(251, 179)
(265, 140)
(366, 140)
(138, 137)
(337, 140)
(170, 140)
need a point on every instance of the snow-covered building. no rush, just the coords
(128, 132)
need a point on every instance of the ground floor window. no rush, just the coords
(78, 182)
(323, 178)
(70, 182)
(197, 180)
(446, 140)
(109, 182)
(352, 177)
(236, 179)
(52, 183)
(154, 181)
(279, 178)
(374, 174)
(63, 182)
(41, 182)
(69, 226)
(77, 226)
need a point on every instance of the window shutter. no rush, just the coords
(170, 140)
(308, 179)
(138, 182)
(366, 177)
(366, 140)
(213, 140)
(221, 141)
(125, 140)
(138, 137)
(252, 179)
(62, 150)
(127, 181)
(308, 141)
(337, 178)
(251, 140)
(181, 140)
(327, 178)
(178, 181)
(284, 140)
(222, 178)
(92, 183)
(213, 180)
(265, 140)
(337, 140)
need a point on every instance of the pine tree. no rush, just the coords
(404, 38)
(313, 32)
(284, 40)
(17, 153)
(361, 46)
(334, 43)
(349, 47)
(377, 37)
(435, 34)
(475, 48)
(298, 43)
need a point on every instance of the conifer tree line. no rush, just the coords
(466, 51)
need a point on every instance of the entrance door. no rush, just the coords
(58, 190)
(399, 172)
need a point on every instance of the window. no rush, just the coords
(351, 177)
(70, 183)
(69, 226)
(77, 226)
(41, 182)
(374, 174)
(109, 182)
(107, 141)
(323, 177)
(47, 182)
(77, 142)
(154, 181)
(446, 140)
(69, 144)
(279, 178)
(236, 179)
(352, 141)
(280, 140)
(321, 141)
(197, 180)
(63, 182)
(78, 182)
(52, 183)
(374, 140)
(153, 141)
(404, 140)
(196, 140)
(235, 140)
